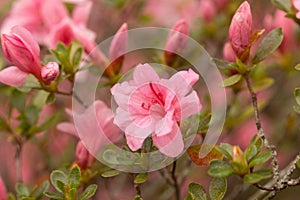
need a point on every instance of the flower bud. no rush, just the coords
(116, 52)
(176, 41)
(82, 155)
(240, 31)
(296, 5)
(50, 72)
(237, 153)
(3, 194)
(22, 50)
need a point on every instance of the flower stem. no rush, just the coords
(18, 157)
(175, 182)
(261, 133)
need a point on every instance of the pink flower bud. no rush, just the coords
(22, 50)
(240, 30)
(3, 194)
(50, 72)
(207, 10)
(117, 50)
(228, 53)
(176, 41)
(82, 155)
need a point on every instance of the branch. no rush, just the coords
(175, 182)
(261, 132)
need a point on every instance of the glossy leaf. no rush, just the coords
(58, 175)
(88, 192)
(257, 176)
(232, 80)
(268, 45)
(110, 173)
(260, 159)
(53, 196)
(74, 177)
(196, 192)
(220, 169)
(250, 152)
(217, 188)
(39, 191)
(226, 149)
(141, 178)
(297, 95)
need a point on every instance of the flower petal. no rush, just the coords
(189, 105)
(67, 127)
(13, 76)
(144, 73)
(171, 144)
(81, 12)
(134, 143)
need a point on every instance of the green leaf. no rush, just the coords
(22, 190)
(262, 84)
(51, 121)
(298, 164)
(297, 95)
(250, 152)
(11, 196)
(74, 177)
(77, 57)
(226, 149)
(231, 80)
(3, 124)
(217, 188)
(51, 98)
(220, 169)
(269, 44)
(110, 173)
(53, 196)
(260, 159)
(72, 193)
(297, 67)
(38, 192)
(196, 192)
(257, 176)
(61, 186)
(31, 114)
(296, 109)
(56, 176)
(141, 178)
(88, 192)
(284, 5)
(39, 99)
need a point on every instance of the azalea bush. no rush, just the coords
(149, 99)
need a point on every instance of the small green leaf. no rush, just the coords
(220, 169)
(51, 98)
(232, 80)
(61, 186)
(38, 192)
(77, 57)
(88, 192)
(58, 175)
(297, 95)
(297, 67)
(72, 193)
(22, 190)
(284, 5)
(269, 44)
(53, 196)
(18, 100)
(296, 109)
(74, 177)
(260, 159)
(250, 152)
(298, 164)
(39, 99)
(217, 188)
(31, 114)
(11, 196)
(141, 178)
(196, 192)
(257, 176)
(226, 149)
(110, 173)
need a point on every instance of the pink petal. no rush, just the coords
(81, 13)
(189, 105)
(121, 93)
(171, 144)
(164, 125)
(67, 127)
(53, 12)
(134, 143)
(144, 73)
(3, 193)
(13, 76)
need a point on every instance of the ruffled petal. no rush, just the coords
(13, 76)
(121, 93)
(144, 73)
(171, 144)
(189, 105)
(134, 143)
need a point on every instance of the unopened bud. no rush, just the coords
(50, 72)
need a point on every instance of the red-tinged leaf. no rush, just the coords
(193, 152)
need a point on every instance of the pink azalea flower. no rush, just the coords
(3, 195)
(240, 29)
(148, 105)
(89, 126)
(83, 158)
(22, 50)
